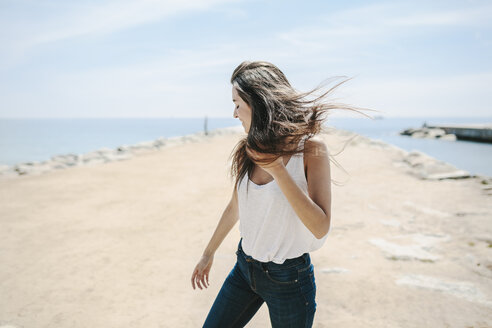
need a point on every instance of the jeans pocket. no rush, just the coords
(283, 276)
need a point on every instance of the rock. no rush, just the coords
(123, 148)
(482, 267)
(96, 161)
(160, 142)
(94, 157)
(191, 138)
(462, 289)
(105, 151)
(141, 147)
(228, 130)
(419, 134)
(399, 252)
(426, 132)
(426, 241)
(46, 167)
(104, 155)
(419, 209)
(484, 238)
(416, 158)
(391, 223)
(458, 174)
(450, 137)
(334, 270)
(118, 156)
(30, 168)
(426, 167)
(435, 133)
(9, 173)
(22, 168)
(408, 132)
(485, 180)
(379, 143)
(144, 145)
(67, 159)
(397, 151)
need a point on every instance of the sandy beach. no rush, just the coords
(114, 244)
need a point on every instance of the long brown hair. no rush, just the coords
(281, 115)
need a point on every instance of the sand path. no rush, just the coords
(114, 245)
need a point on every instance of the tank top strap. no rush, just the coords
(298, 167)
(303, 139)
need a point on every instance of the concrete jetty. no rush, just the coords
(474, 132)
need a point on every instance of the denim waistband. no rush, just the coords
(304, 258)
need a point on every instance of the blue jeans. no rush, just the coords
(288, 289)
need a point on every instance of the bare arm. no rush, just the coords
(227, 221)
(229, 218)
(313, 209)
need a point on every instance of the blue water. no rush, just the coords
(474, 157)
(24, 140)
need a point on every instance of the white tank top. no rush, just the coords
(269, 226)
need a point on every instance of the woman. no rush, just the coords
(282, 198)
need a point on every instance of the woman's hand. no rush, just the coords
(270, 168)
(201, 271)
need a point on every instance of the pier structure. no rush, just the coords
(473, 132)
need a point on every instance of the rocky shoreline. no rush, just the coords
(417, 163)
(428, 132)
(105, 155)
(453, 132)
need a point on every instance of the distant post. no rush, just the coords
(205, 126)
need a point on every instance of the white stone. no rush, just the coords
(462, 289)
(403, 252)
(457, 174)
(391, 223)
(424, 210)
(334, 270)
(419, 134)
(434, 133)
(450, 137)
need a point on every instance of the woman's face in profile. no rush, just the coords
(241, 110)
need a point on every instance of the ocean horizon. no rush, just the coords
(38, 139)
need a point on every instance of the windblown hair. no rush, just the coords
(281, 115)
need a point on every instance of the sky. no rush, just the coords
(147, 58)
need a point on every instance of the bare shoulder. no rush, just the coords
(317, 145)
(314, 150)
(316, 140)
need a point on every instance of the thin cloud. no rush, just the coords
(377, 23)
(115, 16)
(481, 16)
(96, 20)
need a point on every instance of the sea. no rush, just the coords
(38, 139)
